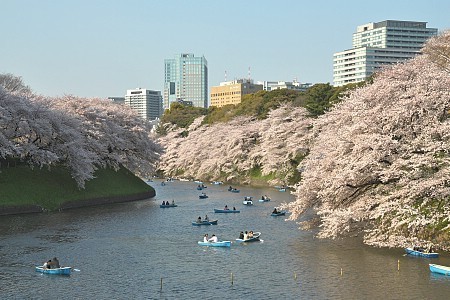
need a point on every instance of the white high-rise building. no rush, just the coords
(147, 103)
(379, 44)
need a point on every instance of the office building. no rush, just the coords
(278, 85)
(231, 92)
(186, 79)
(147, 103)
(379, 44)
(117, 100)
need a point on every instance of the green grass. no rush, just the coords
(21, 185)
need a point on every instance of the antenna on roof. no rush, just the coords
(225, 75)
(249, 77)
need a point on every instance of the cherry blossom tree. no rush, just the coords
(226, 151)
(379, 161)
(77, 133)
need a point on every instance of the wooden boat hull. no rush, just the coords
(444, 270)
(57, 271)
(413, 252)
(226, 211)
(282, 213)
(166, 206)
(214, 222)
(216, 244)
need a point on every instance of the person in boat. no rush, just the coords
(275, 211)
(206, 218)
(199, 220)
(173, 202)
(47, 264)
(163, 203)
(55, 263)
(241, 235)
(205, 238)
(250, 235)
(213, 239)
(245, 235)
(230, 188)
(226, 207)
(234, 208)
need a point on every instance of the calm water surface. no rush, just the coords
(124, 251)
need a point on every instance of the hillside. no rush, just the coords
(41, 189)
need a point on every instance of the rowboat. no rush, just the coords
(165, 205)
(265, 199)
(411, 251)
(217, 182)
(213, 222)
(216, 244)
(202, 196)
(282, 189)
(226, 211)
(280, 213)
(255, 238)
(247, 200)
(56, 271)
(444, 270)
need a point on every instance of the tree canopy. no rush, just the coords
(78, 133)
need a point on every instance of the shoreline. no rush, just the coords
(35, 208)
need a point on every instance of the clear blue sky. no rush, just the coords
(101, 48)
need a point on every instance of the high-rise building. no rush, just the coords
(147, 103)
(231, 92)
(186, 79)
(376, 45)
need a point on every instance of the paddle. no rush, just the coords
(76, 270)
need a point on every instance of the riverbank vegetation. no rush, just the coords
(49, 189)
(374, 161)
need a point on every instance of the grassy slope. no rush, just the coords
(21, 185)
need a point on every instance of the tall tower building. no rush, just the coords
(147, 103)
(379, 44)
(186, 79)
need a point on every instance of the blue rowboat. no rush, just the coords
(56, 271)
(216, 244)
(264, 200)
(226, 211)
(255, 238)
(411, 251)
(165, 205)
(444, 270)
(280, 213)
(213, 222)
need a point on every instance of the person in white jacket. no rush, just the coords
(213, 239)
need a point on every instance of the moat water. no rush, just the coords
(138, 250)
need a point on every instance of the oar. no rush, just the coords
(76, 270)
